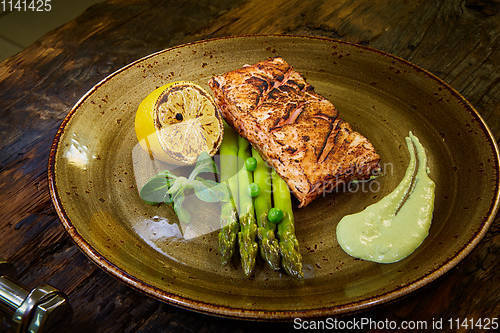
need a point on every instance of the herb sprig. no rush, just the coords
(166, 187)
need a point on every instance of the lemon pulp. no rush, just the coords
(178, 121)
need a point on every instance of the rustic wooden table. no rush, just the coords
(457, 40)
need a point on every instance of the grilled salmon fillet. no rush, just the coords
(297, 131)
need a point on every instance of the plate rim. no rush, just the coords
(256, 314)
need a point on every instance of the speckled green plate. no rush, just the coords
(92, 182)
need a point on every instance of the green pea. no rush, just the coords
(275, 215)
(251, 164)
(253, 190)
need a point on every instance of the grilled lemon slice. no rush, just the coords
(177, 122)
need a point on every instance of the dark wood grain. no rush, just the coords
(457, 40)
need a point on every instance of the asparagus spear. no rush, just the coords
(268, 244)
(246, 237)
(228, 175)
(291, 259)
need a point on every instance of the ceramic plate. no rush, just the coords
(95, 167)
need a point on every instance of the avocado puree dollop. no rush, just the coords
(394, 227)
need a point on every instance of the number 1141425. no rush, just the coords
(25, 5)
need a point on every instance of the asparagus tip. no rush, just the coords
(269, 248)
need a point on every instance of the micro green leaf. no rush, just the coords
(204, 163)
(210, 191)
(182, 214)
(156, 190)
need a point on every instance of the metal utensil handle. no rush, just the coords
(11, 295)
(39, 310)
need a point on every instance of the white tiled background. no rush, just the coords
(20, 29)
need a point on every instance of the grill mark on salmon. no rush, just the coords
(297, 131)
(290, 117)
(325, 142)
